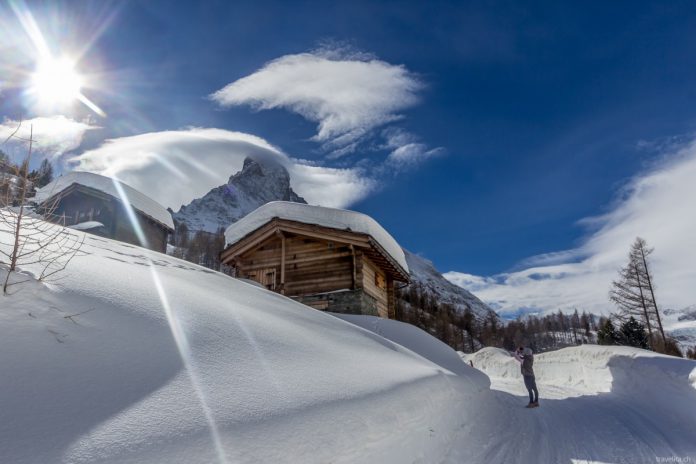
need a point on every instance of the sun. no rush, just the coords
(56, 82)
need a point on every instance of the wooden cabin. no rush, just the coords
(124, 213)
(329, 259)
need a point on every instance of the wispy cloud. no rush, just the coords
(406, 149)
(173, 167)
(53, 136)
(657, 205)
(347, 93)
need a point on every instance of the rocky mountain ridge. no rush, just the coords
(256, 184)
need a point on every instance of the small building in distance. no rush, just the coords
(124, 213)
(330, 259)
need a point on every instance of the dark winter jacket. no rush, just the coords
(526, 358)
(527, 363)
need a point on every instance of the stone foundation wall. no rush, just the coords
(346, 301)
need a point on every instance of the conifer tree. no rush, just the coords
(606, 335)
(634, 293)
(633, 334)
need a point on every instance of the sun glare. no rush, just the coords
(55, 82)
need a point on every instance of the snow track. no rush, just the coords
(614, 405)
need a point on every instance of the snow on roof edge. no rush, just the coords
(137, 199)
(334, 218)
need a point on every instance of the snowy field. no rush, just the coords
(131, 356)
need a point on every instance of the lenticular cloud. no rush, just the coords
(348, 95)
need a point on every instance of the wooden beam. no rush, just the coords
(336, 237)
(352, 265)
(245, 245)
(272, 262)
(282, 262)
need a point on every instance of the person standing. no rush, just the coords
(526, 358)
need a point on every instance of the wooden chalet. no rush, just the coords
(120, 212)
(330, 259)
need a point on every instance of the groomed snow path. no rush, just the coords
(598, 405)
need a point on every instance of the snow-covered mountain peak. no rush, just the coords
(259, 182)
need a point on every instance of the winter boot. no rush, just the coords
(535, 404)
(530, 405)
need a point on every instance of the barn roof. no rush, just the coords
(109, 186)
(333, 218)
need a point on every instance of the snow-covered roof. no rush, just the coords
(110, 186)
(326, 217)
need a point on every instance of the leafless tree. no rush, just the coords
(634, 293)
(32, 240)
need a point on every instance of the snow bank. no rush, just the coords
(134, 356)
(419, 342)
(327, 217)
(110, 186)
(599, 404)
(587, 369)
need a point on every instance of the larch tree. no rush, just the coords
(634, 293)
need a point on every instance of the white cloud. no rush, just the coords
(658, 205)
(53, 136)
(406, 150)
(347, 94)
(173, 167)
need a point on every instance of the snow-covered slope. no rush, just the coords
(134, 356)
(259, 182)
(424, 273)
(137, 357)
(413, 338)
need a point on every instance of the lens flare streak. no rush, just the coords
(177, 330)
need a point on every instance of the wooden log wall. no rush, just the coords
(375, 285)
(311, 265)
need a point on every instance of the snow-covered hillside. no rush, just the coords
(424, 273)
(136, 357)
(259, 182)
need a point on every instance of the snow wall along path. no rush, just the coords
(606, 404)
(134, 356)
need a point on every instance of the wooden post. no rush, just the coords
(354, 277)
(282, 263)
(358, 270)
(391, 300)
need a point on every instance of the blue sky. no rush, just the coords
(521, 119)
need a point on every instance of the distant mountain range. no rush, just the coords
(260, 182)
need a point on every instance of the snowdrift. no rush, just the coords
(592, 369)
(134, 356)
(419, 342)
